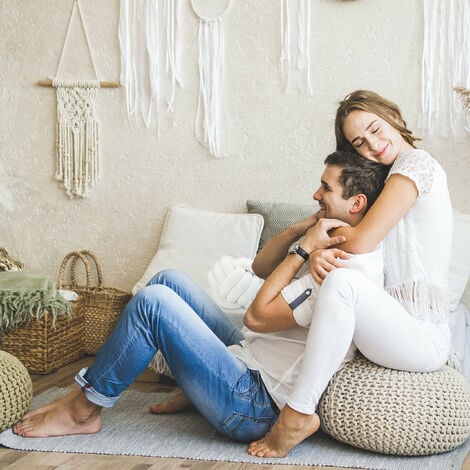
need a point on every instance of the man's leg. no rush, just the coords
(231, 397)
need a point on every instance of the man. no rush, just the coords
(216, 367)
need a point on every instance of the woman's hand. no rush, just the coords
(323, 261)
(317, 237)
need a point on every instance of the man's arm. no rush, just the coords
(269, 311)
(275, 249)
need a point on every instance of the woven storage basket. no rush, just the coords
(44, 346)
(397, 412)
(16, 390)
(102, 306)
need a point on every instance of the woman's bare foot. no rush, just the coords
(290, 429)
(71, 414)
(178, 401)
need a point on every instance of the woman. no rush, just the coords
(404, 326)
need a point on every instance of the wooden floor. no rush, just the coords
(148, 382)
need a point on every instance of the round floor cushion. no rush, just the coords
(16, 390)
(397, 412)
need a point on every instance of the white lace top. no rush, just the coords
(417, 250)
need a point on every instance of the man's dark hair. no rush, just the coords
(359, 175)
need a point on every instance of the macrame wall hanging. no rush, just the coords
(210, 126)
(149, 43)
(77, 147)
(445, 65)
(295, 45)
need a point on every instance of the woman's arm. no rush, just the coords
(396, 198)
(275, 249)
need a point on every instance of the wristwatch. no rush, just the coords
(296, 249)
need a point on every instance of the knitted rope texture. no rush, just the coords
(16, 390)
(397, 412)
(77, 136)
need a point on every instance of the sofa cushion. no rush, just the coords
(278, 216)
(193, 240)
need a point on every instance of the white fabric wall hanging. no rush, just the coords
(295, 45)
(210, 126)
(445, 65)
(149, 43)
(77, 147)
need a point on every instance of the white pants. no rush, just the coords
(352, 310)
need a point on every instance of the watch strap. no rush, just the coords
(301, 252)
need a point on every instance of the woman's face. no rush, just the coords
(373, 137)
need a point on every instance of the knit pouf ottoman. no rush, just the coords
(396, 412)
(16, 390)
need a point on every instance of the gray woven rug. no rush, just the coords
(129, 429)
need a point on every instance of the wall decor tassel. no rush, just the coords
(77, 141)
(77, 136)
(150, 56)
(445, 65)
(295, 45)
(210, 126)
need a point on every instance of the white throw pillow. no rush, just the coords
(459, 271)
(193, 240)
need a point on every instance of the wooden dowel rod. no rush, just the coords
(463, 91)
(103, 84)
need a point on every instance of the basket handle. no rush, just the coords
(99, 272)
(74, 255)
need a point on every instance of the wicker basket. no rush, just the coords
(102, 306)
(43, 346)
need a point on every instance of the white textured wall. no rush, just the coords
(277, 141)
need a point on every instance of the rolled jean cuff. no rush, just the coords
(91, 394)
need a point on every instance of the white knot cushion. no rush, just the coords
(397, 412)
(233, 283)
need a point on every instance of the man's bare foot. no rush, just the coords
(290, 429)
(50, 405)
(71, 414)
(178, 401)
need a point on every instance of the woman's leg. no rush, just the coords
(229, 395)
(352, 309)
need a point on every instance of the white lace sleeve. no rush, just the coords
(417, 165)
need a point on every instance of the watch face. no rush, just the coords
(298, 250)
(294, 247)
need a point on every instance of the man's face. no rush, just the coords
(330, 195)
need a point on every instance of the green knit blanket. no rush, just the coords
(25, 296)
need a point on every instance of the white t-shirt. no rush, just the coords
(278, 355)
(417, 249)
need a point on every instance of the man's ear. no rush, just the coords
(360, 203)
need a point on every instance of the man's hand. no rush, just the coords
(303, 225)
(323, 261)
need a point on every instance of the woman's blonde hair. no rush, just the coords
(364, 100)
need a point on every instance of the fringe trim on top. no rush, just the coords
(422, 299)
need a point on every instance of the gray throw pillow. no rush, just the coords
(278, 216)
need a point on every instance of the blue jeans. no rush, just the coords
(173, 315)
